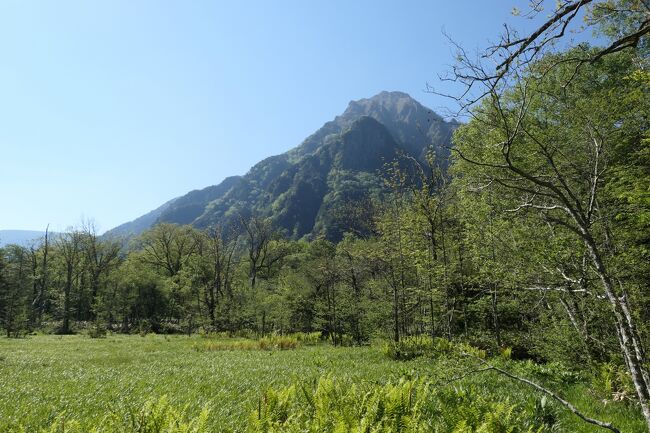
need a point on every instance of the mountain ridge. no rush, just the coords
(302, 188)
(23, 238)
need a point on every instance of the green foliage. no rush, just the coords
(307, 338)
(14, 289)
(415, 346)
(155, 416)
(555, 373)
(119, 380)
(519, 250)
(97, 331)
(421, 345)
(405, 406)
(613, 381)
(271, 342)
(408, 406)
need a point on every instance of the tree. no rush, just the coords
(167, 247)
(140, 299)
(101, 256)
(40, 278)
(392, 226)
(626, 23)
(14, 289)
(213, 269)
(69, 245)
(545, 142)
(259, 233)
(552, 138)
(324, 276)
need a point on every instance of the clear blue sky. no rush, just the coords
(110, 108)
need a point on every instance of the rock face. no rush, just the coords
(308, 190)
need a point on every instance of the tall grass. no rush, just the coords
(415, 346)
(272, 342)
(155, 416)
(76, 382)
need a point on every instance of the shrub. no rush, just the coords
(307, 338)
(546, 414)
(614, 381)
(272, 342)
(97, 332)
(552, 372)
(420, 345)
(144, 328)
(281, 342)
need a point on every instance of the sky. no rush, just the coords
(110, 108)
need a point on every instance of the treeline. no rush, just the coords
(535, 238)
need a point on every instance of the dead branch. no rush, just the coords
(554, 396)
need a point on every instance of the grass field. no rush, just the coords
(44, 377)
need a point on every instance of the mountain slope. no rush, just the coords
(306, 190)
(140, 224)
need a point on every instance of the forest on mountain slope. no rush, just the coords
(534, 234)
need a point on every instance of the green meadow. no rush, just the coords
(75, 383)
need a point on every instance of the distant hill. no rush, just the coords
(306, 190)
(20, 237)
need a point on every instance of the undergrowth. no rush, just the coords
(331, 406)
(407, 406)
(272, 342)
(421, 345)
(73, 384)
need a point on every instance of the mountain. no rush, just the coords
(20, 237)
(413, 125)
(311, 189)
(180, 210)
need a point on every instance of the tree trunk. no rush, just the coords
(395, 315)
(626, 330)
(495, 316)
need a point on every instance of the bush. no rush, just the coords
(281, 342)
(272, 342)
(144, 328)
(553, 372)
(420, 345)
(98, 331)
(614, 381)
(307, 338)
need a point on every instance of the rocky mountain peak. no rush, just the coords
(305, 190)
